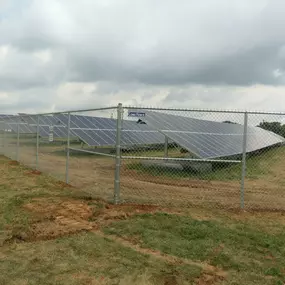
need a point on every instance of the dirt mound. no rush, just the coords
(54, 217)
(60, 227)
(58, 217)
(55, 207)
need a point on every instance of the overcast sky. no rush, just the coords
(69, 54)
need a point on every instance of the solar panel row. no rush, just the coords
(209, 139)
(94, 131)
(203, 138)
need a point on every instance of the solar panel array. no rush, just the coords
(96, 131)
(28, 125)
(202, 138)
(12, 123)
(210, 139)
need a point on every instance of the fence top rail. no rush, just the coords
(59, 112)
(280, 113)
(205, 110)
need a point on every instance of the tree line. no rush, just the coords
(275, 127)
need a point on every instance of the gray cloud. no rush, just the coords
(140, 51)
(162, 43)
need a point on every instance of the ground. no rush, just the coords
(52, 233)
(221, 188)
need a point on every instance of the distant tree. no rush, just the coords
(275, 127)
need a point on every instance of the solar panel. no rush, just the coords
(3, 116)
(209, 139)
(203, 138)
(107, 137)
(96, 131)
(96, 137)
(76, 121)
(45, 122)
(28, 125)
(13, 127)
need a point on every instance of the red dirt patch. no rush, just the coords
(33, 172)
(133, 207)
(74, 209)
(55, 217)
(13, 162)
(60, 227)
(62, 184)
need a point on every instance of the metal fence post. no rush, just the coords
(118, 154)
(243, 170)
(67, 151)
(18, 141)
(4, 139)
(38, 141)
(166, 147)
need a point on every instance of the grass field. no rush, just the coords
(51, 233)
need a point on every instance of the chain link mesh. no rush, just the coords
(265, 169)
(183, 168)
(166, 157)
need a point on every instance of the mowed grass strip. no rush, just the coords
(249, 255)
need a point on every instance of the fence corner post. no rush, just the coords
(243, 168)
(118, 154)
(67, 151)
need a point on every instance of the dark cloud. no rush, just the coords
(165, 43)
(149, 50)
(247, 67)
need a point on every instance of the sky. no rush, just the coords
(67, 54)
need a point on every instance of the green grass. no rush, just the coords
(83, 259)
(257, 166)
(249, 248)
(238, 248)
(16, 188)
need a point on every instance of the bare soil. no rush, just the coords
(55, 217)
(95, 175)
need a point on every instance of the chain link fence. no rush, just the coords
(157, 156)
